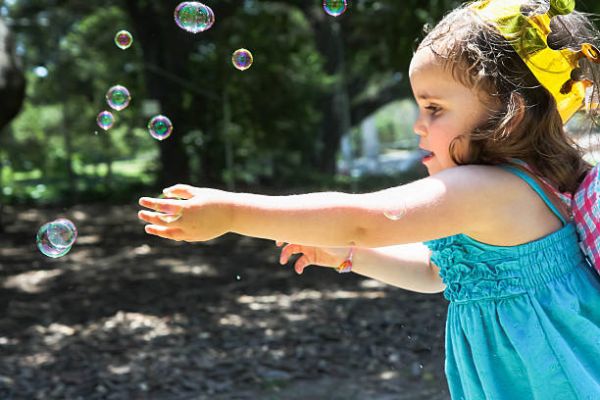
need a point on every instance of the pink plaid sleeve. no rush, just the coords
(586, 213)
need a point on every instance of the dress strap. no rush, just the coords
(540, 190)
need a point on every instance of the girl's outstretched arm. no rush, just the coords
(405, 266)
(456, 200)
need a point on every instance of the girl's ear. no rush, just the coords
(516, 109)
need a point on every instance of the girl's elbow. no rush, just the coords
(434, 289)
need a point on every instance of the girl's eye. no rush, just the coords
(432, 109)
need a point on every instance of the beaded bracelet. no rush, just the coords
(346, 265)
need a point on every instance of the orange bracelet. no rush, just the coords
(346, 265)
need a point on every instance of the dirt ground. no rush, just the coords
(129, 316)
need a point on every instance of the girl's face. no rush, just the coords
(447, 109)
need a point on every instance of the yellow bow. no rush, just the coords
(528, 35)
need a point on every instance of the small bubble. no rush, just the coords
(194, 17)
(105, 120)
(238, 277)
(335, 8)
(160, 127)
(395, 214)
(123, 40)
(118, 97)
(242, 59)
(169, 218)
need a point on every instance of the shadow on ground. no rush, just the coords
(128, 316)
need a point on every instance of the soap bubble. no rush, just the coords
(194, 17)
(169, 218)
(55, 239)
(334, 8)
(395, 213)
(105, 120)
(123, 40)
(118, 97)
(242, 59)
(160, 127)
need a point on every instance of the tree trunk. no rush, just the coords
(12, 80)
(166, 50)
(12, 91)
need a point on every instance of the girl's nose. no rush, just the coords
(419, 127)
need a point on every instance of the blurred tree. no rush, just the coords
(12, 80)
(314, 77)
(12, 92)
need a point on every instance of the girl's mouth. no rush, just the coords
(426, 155)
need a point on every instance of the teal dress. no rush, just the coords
(523, 321)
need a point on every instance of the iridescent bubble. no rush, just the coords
(334, 8)
(123, 40)
(118, 97)
(55, 239)
(105, 120)
(194, 17)
(160, 127)
(242, 59)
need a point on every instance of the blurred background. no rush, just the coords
(325, 106)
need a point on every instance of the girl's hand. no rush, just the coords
(202, 214)
(330, 257)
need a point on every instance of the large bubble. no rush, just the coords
(194, 17)
(55, 239)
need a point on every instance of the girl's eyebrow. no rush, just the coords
(427, 96)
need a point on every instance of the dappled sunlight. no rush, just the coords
(285, 301)
(183, 268)
(89, 239)
(31, 281)
(388, 375)
(233, 320)
(37, 360)
(141, 326)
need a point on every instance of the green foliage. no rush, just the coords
(261, 126)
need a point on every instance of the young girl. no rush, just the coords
(489, 226)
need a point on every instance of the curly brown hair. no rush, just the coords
(526, 125)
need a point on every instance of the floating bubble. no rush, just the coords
(335, 8)
(194, 17)
(55, 239)
(395, 214)
(123, 40)
(242, 59)
(169, 218)
(105, 120)
(160, 127)
(118, 97)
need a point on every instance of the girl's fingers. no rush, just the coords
(183, 191)
(164, 232)
(158, 218)
(167, 206)
(288, 251)
(301, 263)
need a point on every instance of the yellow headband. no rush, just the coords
(528, 35)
